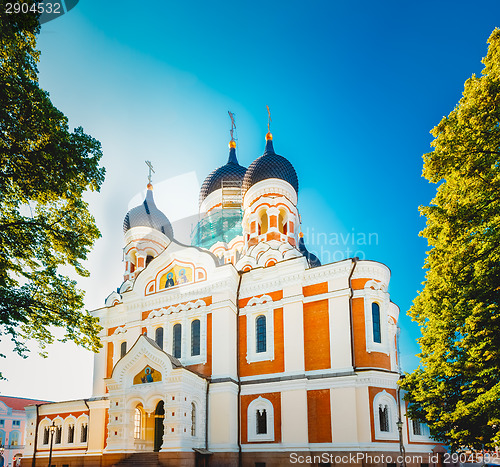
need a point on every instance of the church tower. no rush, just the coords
(219, 228)
(147, 233)
(271, 220)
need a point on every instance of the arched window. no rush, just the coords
(176, 344)
(282, 222)
(123, 349)
(261, 418)
(376, 323)
(137, 423)
(149, 258)
(58, 434)
(159, 337)
(263, 222)
(71, 434)
(2, 437)
(260, 324)
(83, 433)
(195, 337)
(46, 433)
(193, 419)
(383, 416)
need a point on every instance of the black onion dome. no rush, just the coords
(270, 165)
(232, 172)
(313, 260)
(148, 215)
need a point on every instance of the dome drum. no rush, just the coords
(273, 187)
(219, 226)
(271, 221)
(267, 192)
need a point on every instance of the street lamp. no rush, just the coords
(52, 429)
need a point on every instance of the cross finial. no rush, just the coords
(148, 163)
(233, 124)
(268, 119)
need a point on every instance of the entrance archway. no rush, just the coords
(159, 429)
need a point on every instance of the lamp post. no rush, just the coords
(399, 424)
(52, 429)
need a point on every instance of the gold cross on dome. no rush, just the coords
(269, 120)
(150, 165)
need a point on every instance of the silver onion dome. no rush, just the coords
(148, 215)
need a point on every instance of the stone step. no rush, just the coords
(140, 459)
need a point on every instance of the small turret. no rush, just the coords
(147, 233)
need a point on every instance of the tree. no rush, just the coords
(456, 388)
(44, 221)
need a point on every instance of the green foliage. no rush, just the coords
(456, 389)
(44, 221)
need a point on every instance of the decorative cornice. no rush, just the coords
(279, 249)
(258, 301)
(372, 270)
(327, 272)
(114, 298)
(198, 304)
(183, 294)
(376, 285)
(120, 330)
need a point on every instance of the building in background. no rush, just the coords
(239, 349)
(12, 428)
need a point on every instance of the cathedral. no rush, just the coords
(240, 349)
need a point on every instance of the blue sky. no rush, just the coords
(354, 89)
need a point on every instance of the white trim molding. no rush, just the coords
(258, 405)
(385, 400)
(252, 314)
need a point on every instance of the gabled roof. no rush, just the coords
(19, 403)
(175, 362)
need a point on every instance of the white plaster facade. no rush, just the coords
(181, 370)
